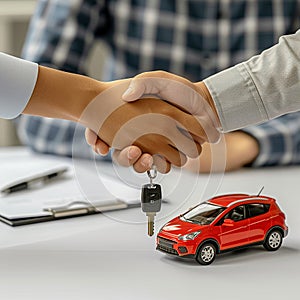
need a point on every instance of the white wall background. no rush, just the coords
(14, 20)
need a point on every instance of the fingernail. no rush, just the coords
(131, 153)
(100, 153)
(128, 92)
(147, 162)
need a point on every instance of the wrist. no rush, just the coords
(86, 91)
(242, 147)
(203, 90)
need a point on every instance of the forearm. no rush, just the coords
(62, 95)
(278, 141)
(232, 152)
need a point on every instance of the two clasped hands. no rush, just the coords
(156, 117)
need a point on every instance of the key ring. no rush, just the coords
(153, 167)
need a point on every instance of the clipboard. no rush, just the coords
(62, 198)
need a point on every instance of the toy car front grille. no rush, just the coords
(165, 245)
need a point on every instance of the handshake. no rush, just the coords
(155, 118)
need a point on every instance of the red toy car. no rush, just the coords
(221, 224)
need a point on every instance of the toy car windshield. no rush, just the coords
(203, 214)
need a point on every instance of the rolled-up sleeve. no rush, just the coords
(17, 81)
(262, 88)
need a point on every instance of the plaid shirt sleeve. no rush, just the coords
(60, 35)
(279, 141)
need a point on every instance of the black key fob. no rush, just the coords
(151, 197)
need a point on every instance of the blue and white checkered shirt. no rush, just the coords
(192, 38)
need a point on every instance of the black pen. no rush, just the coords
(25, 184)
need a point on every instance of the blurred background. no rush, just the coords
(14, 20)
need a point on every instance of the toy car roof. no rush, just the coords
(231, 199)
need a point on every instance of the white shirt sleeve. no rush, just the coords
(17, 81)
(262, 88)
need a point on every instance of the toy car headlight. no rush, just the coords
(189, 236)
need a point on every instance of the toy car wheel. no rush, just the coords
(206, 254)
(273, 240)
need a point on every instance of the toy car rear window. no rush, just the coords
(256, 209)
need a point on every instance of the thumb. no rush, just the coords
(135, 90)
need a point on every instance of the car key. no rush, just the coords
(151, 200)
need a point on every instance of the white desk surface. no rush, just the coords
(110, 256)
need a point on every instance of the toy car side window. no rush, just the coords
(256, 209)
(236, 214)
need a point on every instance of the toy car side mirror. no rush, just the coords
(228, 222)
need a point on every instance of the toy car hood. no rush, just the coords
(177, 227)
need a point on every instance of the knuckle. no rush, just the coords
(158, 73)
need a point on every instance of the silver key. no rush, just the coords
(151, 200)
(150, 217)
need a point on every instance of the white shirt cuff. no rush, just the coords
(17, 81)
(236, 98)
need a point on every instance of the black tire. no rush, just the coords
(206, 254)
(273, 240)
